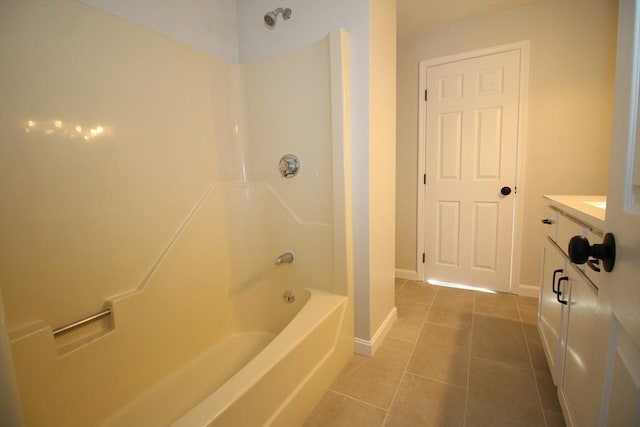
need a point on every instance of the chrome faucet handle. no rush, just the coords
(289, 165)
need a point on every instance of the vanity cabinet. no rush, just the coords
(580, 389)
(570, 322)
(553, 315)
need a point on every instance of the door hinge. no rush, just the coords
(425, 94)
(424, 257)
(424, 179)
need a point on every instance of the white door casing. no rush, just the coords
(621, 398)
(470, 128)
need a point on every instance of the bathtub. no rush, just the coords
(206, 340)
(281, 377)
(271, 375)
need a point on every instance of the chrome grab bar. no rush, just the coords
(70, 326)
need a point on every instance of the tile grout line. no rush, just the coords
(533, 369)
(435, 380)
(523, 310)
(404, 371)
(466, 395)
(403, 283)
(501, 364)
(399, 339)
(357, 400)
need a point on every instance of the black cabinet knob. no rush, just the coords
(580, 250)
(505, 191)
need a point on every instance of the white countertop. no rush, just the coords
(588, 209)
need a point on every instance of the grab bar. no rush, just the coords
(70, 326)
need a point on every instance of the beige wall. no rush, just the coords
(406, 154)
(382, 161)
(572, 54)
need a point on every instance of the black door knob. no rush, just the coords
(580, 250)
(505, 191)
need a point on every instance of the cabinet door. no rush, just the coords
(551, 315)
(581, 387)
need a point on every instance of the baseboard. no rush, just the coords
(528, 291)
(406, 274)
(369, 347)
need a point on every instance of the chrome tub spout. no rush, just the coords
(285, 257)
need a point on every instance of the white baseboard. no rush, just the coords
(406, 274)
(528, 291)
(369, 347)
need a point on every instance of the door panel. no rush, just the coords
(450, 146)
(624, 409)
(485, 235)
(448, 233)
(489, 146)
(470, 148)
(622, 387)
(491, 80)
(450, 87)
(623, 202)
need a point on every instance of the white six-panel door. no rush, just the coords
(471, 140)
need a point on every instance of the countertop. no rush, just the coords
(589, 209)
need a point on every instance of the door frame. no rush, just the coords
(516, 241)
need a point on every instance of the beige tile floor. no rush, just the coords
(453, 358)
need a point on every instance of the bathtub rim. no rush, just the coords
(211, 407)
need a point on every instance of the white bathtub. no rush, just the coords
(252, 378)
(206, 340)
(276, 385)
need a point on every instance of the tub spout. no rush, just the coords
(285, 257)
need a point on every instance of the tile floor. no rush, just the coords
(453, 358)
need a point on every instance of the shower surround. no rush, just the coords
(140, 175)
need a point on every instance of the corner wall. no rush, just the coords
(572, 55)
(382, 170)
(373, 224)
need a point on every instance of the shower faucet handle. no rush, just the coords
(289, 165)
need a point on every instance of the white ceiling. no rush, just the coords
(423, 15)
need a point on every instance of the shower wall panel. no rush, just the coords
(288, 99)
(110, 135)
